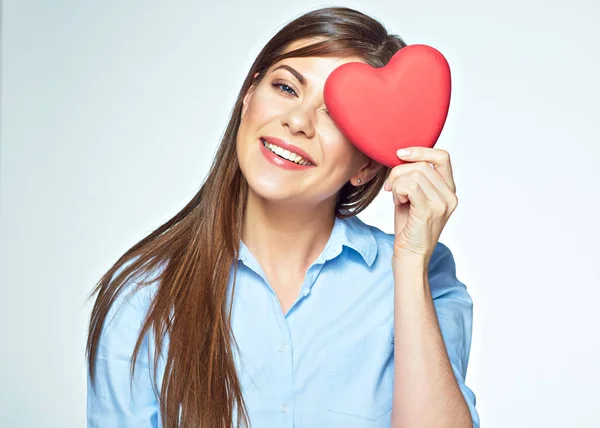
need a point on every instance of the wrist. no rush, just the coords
(410, 268)
(410, 261)
(411, 277)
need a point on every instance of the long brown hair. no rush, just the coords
(196, 247)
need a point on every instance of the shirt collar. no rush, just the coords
(350, 232)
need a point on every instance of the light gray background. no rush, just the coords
(111, 113)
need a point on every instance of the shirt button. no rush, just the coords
(282, 348)
(284, 408)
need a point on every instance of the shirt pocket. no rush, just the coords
(360, 376)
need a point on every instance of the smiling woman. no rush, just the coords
(265, 301)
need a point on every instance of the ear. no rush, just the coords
(248, 97)
(367, 172)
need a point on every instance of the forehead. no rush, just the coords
(316, 69)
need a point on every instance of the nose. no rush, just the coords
(300, 119)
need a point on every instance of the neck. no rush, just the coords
(286, 236)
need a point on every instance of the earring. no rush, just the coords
(358, 180)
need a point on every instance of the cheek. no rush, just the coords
(341, 153)
(262, 108)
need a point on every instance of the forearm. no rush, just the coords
(426, 394)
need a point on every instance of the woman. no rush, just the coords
(272, 304)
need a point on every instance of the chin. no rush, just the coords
(267, 188)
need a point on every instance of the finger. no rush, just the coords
(428, 171)
(436, 179)
(440, 159)
(409, 191)
(398, 170)
(406, 183)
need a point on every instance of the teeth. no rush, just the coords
(293, 157)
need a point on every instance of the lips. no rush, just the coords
(290, 147)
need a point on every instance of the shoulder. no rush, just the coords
(124, 322)
(134, 298)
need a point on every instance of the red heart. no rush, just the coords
(402, 104)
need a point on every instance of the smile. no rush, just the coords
(286, 154)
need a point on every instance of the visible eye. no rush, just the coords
(282, 86)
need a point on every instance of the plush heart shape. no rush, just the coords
(402, 104)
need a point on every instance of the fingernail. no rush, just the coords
(403, 152)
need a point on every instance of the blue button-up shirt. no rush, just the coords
(327, 362)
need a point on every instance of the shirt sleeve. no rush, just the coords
(112, 402)
(454, 309)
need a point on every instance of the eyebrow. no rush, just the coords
(296, 74)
